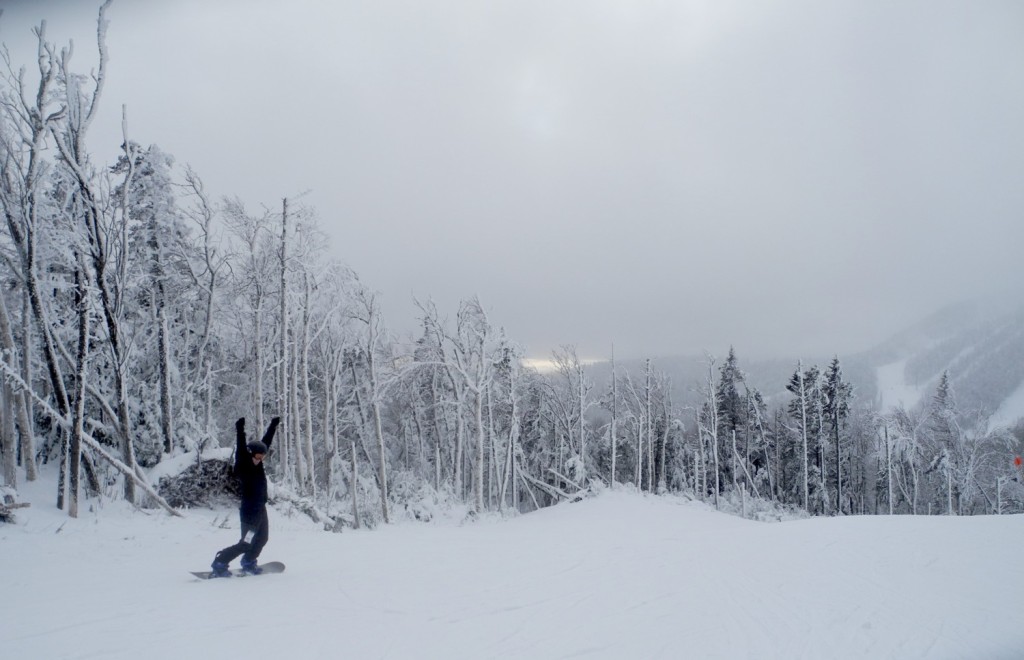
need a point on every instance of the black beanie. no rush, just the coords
(256, 447)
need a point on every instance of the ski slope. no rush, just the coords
(894, 389)
(1010, 411)
(619, 575)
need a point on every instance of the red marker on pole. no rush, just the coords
(1017, 461)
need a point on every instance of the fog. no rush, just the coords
(790, 178)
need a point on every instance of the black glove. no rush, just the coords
(240, 424)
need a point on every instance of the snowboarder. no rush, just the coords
(253, 510)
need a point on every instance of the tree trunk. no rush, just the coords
(492, 465)
(285, 428)
(460, 431)
(257, 348)
(371, 364)
(615, 415)
(306, 396)
(329, 434)
(735, 459)
(839, 466)
(16, 406)
(662, 459)
(79, 415)
(166, 411)
(583, 430)
(383, 466)
(648, 417)
(513, 435)
(355, 486)
(803, 430)
(160, 303)
(27, 430)
(7, 449)
(478, 485)
(639, 453)
(713, 415)
(437, 432)
(296, 416)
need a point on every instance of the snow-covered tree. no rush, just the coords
(569, 390)
(803, 385)
(373, 348)
(836, 393)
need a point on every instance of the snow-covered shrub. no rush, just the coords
(417, 499)
(748, 506)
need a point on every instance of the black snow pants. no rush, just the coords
(255, 532)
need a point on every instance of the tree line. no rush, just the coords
(139, 317)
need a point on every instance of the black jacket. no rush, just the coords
(253, 478)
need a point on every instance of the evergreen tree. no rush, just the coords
(731, 415)
(157, 243)
(837, 394)
(807, 411)
(946, 442)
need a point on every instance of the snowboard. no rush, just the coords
(268, 568)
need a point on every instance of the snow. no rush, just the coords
(894, 389)
(176, 464)
(620, 575)
(1010, 411)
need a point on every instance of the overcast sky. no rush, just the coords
(791, 178)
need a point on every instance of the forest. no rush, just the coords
(142, 314)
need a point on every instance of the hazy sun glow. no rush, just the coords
(547, 365)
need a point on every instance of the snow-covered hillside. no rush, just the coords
(616, 576)
(1010, 411)
(981, 349)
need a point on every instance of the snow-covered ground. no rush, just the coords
(617, 576)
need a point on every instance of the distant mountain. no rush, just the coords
(982, 347)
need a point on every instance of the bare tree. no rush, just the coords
(472, 362)
(306, 452)
(366, 309)
(439, 361)
(570, 398)
(251, 288)
(510, 367)
(287, 425)
(28, 116)
(207, 281)
(104, 225)
(709, 422)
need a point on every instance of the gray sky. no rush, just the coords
(792, 178)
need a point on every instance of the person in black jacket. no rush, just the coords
(253, 510)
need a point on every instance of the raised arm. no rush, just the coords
(268, 437)
(241, 452)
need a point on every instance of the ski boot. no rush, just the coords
(250, 567)
(219, 570)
